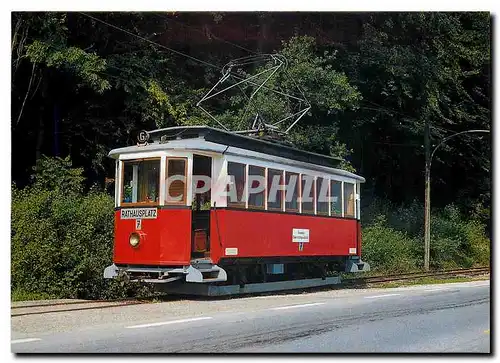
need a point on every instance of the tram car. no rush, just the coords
(207, 206)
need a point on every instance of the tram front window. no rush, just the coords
(141, 179)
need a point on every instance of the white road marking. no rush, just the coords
(297, 306)
(483, 285)
(437, 289)
(27, 340)
(168, 322)
(377, 296)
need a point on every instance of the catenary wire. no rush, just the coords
(150, 41)
(202, 32)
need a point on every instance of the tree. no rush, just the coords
(413, 68)
(307, 71)
(82, 87)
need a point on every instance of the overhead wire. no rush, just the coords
(202, 32)
(213, 65)
(256, 55)
(150, 41)
(250, 60)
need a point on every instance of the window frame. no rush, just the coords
(280, 190)
(166, 202)
(122, 186)
(341, 196)
(334, 182)
(318, 191)
(242, 204)
(297, 188)
(264, 199)
(313, 192)
(344, 205)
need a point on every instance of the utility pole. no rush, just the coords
(427, 199)
(428, 164)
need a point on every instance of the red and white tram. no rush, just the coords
(187, 208)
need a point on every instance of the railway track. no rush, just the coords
(78, 305)
(414, 275)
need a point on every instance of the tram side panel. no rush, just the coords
(165, 240)
(238, 234)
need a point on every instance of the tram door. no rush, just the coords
(200, 244)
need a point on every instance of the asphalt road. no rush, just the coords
(432, 318)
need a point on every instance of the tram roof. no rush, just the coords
(241, 141)
(171, 137)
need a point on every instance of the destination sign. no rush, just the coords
(300, 235)
(138, 213)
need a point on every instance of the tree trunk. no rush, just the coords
(27, 93)
(39, 138)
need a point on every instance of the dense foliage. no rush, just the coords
(393, 238)
(62, 239)
(81, 87)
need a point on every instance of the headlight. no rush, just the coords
(134, 239)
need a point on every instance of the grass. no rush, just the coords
(19, 295)
(428, 281)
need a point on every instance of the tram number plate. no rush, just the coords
(300, 235)
(139, 213)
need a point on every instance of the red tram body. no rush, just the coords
(170, 226)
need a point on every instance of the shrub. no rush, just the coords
(57, 173)
(62, 239)
(457, 241)
(387, 249)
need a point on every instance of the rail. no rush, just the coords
(415, 275)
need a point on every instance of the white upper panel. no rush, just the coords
(199, 145)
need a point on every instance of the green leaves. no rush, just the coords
(393, 237)
(85, 65)
(61, 242)
(323, 140)
(413, 68)
(326, 88)
(80, 87)
(61, 238)
(58, 174)
(422, 60)
(386, 249)
(49, 46)
(162, 107)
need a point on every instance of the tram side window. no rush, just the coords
(176, 181)
(274, 189)
(256, 191)
(141, 181)
(348, 200)
(291, 192)
(307, 196)
(236, 172)
(336, 197)
(322, 196)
